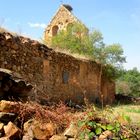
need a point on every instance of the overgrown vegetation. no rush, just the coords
(78, 39)
(129, 83)
(93, 123)
(107, 125)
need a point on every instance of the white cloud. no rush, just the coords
(37, 25)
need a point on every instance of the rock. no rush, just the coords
(1, 126)
(6, 117)
(38, 130)
(12, 131)
(58, 137)
(27, 125)
(106, 135)
(8, 106)
(4, 138)
(72, 131)
(1, 129)
(15, 46)
(43, 132)
(27, 137)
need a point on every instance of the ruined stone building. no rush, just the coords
(55, 76)
(61, 20)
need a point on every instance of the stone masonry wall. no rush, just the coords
(60, 21)
(55, 76)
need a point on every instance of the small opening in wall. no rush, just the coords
(54, 30)
(65, 77)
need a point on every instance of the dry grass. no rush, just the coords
(75, 55)
(3, 30)
(133, 111)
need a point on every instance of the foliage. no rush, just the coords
(78, 39)
(75, 39)
(129, 83)
(96, 124)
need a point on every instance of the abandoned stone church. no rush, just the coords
(55, 76)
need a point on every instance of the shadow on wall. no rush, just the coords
(12, 87)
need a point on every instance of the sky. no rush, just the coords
(118, 20)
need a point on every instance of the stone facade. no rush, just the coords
(55, 76)
(60, 21)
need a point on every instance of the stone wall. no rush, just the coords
(62, 18)
(24, 56)
(55, 76)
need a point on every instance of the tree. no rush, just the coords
(110, 56)
(75, 39)
(129, 83)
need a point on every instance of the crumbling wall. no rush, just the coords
(55, 76)
(71, 79)
(60, 21)
(24, 56)
(13, 87)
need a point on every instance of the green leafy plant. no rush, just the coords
(94, 126)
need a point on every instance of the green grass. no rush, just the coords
(133, 111)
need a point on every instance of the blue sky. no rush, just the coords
(118, 20)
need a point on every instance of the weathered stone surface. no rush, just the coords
(6, 117)
(4, 138)
(71, 131)
(1, 129)
(12, 86)
(60, 21)
(27, 137)
(8, 106)
(38, 130)
(1, 126)
(58, 137)
(12, 131)
(55, 76)
(106, 135)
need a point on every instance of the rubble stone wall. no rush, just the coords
(55, 76)
(60, 21)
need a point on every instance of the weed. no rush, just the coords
(97, 123)
(55, 114)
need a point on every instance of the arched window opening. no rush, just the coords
(54, 30)
(65, 77)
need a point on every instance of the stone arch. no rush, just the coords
(54, 30)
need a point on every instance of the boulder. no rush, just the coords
(27, 137)
(8, 106)
(12, 131)
(106, 135)
(38, 130)
(58, 137)
(1, 129)
(71, 131)
(4, 138)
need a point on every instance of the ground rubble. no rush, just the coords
(18, 122)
